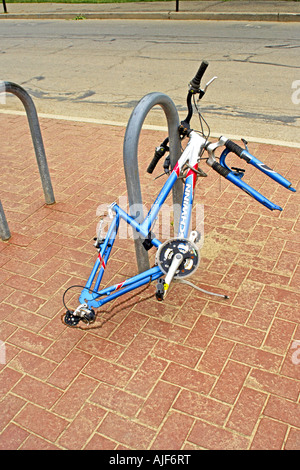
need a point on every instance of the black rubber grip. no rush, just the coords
(220, 169)
(195, 83)
(154, 162)
(233, 147)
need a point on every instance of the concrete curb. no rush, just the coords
(168, 15)
(237, 16)
(151, 127)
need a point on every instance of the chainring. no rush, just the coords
(185, 247)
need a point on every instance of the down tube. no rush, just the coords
(186, 207)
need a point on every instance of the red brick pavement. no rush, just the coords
(193, 372)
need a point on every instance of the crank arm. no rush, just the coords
(176, 262)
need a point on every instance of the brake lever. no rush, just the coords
(209, 83)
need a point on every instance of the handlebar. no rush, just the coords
(234, 175)
(185, 124)
(194, 89)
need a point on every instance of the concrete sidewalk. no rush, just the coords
(188, 10)
(192, 372)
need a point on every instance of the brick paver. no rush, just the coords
(193, 372)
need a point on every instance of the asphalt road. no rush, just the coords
(101, 69)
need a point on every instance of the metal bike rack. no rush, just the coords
(4, 230)
(130, 159)
(37, 140)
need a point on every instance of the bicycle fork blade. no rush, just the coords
(267, 170)
(252, 192)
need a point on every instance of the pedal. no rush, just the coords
(160, 291)
(195, 236)
(98, 242)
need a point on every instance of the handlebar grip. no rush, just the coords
(233, 147)
(195, 83)
(220, 169)
(159, 152)
(153, 163)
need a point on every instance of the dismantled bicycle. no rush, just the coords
(178, 257)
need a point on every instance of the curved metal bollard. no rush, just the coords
(4, 229)
(37, 140)
(130, 159)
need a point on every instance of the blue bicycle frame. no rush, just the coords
(177, 257)
(95, 298)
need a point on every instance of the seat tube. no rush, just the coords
(103, 254)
